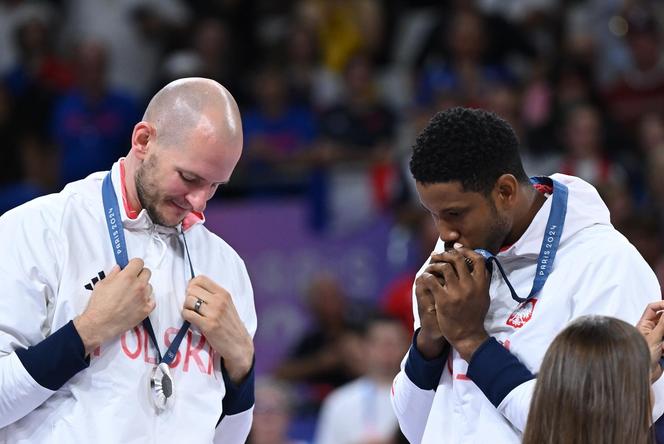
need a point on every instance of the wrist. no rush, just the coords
(430, 347)
(239, 364)
(88, 334)
(468, 345)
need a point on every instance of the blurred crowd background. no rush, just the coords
(332, 94)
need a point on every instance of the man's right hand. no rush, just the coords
(118, 303)
(651, 326)
(430, 340)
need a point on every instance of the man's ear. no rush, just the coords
(143, 133)
(506, 190)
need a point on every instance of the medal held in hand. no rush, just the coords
(161, 387)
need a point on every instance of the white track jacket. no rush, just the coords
(596, 271)
(55, 248)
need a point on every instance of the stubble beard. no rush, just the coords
(498, 230)
(147, 192)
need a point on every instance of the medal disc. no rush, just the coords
(161, 386)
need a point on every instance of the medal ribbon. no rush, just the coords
(550, 241)
(116, 233)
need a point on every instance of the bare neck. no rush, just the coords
(532, 202)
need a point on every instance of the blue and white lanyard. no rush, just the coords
(550, 241)
(116, 233)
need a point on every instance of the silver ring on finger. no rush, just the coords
(197, 306)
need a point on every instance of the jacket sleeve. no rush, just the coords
(413, 388)
(238, 403)
(34, 361)
(618, 283)
(238, 410)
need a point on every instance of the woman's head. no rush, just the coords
(593, 386)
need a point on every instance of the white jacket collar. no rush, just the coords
(585, 208)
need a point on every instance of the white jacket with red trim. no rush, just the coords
(55, 248)
(596, 271)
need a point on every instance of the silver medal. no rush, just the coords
(161, 386)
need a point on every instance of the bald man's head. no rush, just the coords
(189, 142)
(194, 104)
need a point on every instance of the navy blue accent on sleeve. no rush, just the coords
(238, 398)
(424, 374)
(56, 359)
(496, 371)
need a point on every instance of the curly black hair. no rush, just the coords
(471, 146)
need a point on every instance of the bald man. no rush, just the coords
(122, 318)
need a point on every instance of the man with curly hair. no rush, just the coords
(516, 261)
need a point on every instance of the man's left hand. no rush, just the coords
(462, 299)
(218, 320)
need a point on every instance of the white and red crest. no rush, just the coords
(522, 314)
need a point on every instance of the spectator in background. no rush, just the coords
(552, 90)
(8, 139)
(457, 65)
(91, 123)
(272, 413)
(360, 411)
(327, 355)
(34, 171)
(31, 87)
(651, 132)
(214, 44)
(134, 33)
(309, 83)
(643, 229)
(573, 84)
(506, 101)
(14, 13)
(653, 167)
(585, 153)
(28, 168)
(640, 88)
(577, 399)
(211, 53)
(356, 149)
(278, 136)
(39, 76)
(344, 27)
(649, 140)
(361, 125)
(37, 62)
